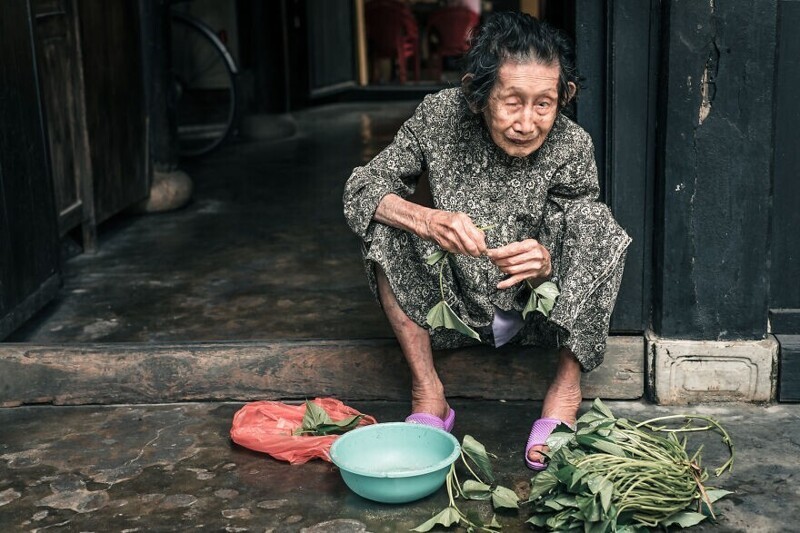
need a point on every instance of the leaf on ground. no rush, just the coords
(446, 518)
(538, 520)
(542, 483)
(475, 490)
(504, 498)
(716, 494)
(477, 452)
(316, 421)
(435, 257)
(561, 436)
(601, 444)
(601, 408)
(684, 519)
(442, 315)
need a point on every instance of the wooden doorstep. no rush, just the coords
(269, 370)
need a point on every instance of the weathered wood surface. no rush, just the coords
(29, 253)
(352, 370)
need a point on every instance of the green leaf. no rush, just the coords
(560, 437)
(442, 315)
(601, 444)
(446, 518)
(684, 519)
(588, 507)
(548, 290)
(316, 421)
(494, 523)
(504, 498)
(606, 493)
(435, 257)
(716, 494)
(530, 307)
(545, 306)
(538, 520)
(591, 416)
(475, 490)
(542, 483)
(477, 452)
(601, 408)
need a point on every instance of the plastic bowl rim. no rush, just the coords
(450, 459)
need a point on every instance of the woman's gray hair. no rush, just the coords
(518, 37)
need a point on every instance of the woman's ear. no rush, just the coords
(571, 90)
(466, 81)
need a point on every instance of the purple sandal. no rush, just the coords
(541, 429)
(434, 421)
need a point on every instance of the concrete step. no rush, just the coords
(74, 374)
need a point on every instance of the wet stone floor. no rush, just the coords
(262, 251)
(173, 468)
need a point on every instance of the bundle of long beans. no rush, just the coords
(619, 475)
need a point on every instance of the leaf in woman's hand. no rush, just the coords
(477, 452)
(548, 290)
(442, 315)
(435, 257)
(446, 518)
(530, 307)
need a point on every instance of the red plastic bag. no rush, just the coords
(268, 427)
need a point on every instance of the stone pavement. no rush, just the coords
(153, 468)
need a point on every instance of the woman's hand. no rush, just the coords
(521, 260)
(454, 232)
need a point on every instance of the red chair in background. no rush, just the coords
(392, 32)
(451, 26)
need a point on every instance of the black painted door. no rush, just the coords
(617, 53)
(29, 260)
(331, 45)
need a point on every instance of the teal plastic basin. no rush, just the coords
(395, 462)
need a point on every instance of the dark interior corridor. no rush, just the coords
(262, 251)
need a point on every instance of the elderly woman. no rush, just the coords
(514, 191)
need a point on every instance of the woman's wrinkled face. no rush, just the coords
(523, 106)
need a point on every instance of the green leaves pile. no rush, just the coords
(317, 422)
(614, 474)
(481, 486)
(542, 299)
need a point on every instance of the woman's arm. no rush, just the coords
(454, 232)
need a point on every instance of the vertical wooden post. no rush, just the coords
(361, 44)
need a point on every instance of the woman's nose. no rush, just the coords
(526, 121)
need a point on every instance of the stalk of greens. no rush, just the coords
(614, 474)
(542, 298)
(317, 421)
(481, 486)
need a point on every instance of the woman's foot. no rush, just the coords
(563, 398)
(429, 400)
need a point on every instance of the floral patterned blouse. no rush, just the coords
(550, 195)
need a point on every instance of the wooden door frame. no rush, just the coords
(617, 48)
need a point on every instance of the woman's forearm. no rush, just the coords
(399, 213)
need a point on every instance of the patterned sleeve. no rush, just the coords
(587, 247)
(396, 170)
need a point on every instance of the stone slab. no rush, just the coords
(353, 370)
(167, 468)
(689, 371)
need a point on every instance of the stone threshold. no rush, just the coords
(116, 373)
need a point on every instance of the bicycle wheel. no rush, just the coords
(205, 82)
